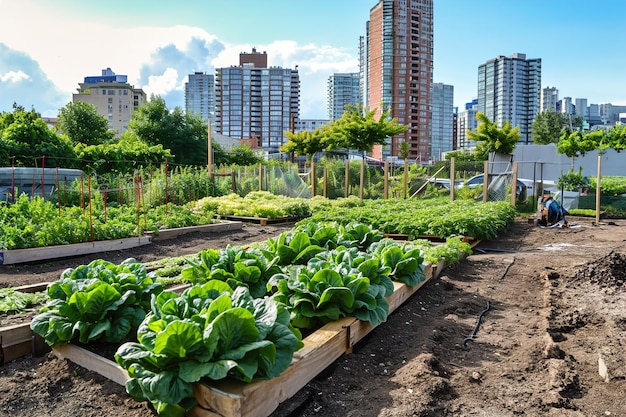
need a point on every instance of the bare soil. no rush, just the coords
(546, 309)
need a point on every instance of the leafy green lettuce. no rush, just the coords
(209, 331)
(98, 301)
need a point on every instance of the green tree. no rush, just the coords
(25, 139)
(306, 143)
(82, 124)
(242, 156)
(616, 137)
(185, 135)
(491, 139)
(548, 126)
(358, 129)
(122, 157)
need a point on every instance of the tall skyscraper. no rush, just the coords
(442, 121)
(549, 99)
(113, 97)
(581, 108)
(508, 91)
(255, 102)
(200, 95)
(398, 59)
(343, 90)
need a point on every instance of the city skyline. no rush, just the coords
(47, 49)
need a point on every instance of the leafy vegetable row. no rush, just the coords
(35, 222)
(256, 204)
(98, 301)
(416, 218)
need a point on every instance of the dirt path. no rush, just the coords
(557, 313)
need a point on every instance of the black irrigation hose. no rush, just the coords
(480, 316)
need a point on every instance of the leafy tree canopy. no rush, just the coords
(123, 157)
(358, 129)
(242, 155)
(490, 138)
(548, 126)
(306, 142)
(82, 124)
(25, 139)
(185, 135)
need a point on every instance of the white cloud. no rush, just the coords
(164, 83)
(157, 59)
(14, 77)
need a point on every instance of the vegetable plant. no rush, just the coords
(208, 331)
(99, 301)
(12, 301)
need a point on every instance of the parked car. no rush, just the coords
(521, 190)
(445, 183)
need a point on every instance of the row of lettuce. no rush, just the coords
(246, 308)
(30, 223)
(243, 314)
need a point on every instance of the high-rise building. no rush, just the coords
(200, 95)
(442, 121)
(112, 96)
(398, 59)
(566, 106)
(509, 90)
(256, 103)
(580, 107)
(467, 122)
(549, 99)
(343, 90)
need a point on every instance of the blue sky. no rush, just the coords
(48, 47)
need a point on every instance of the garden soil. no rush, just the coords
(531, 324)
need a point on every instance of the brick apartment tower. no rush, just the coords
(398, 62)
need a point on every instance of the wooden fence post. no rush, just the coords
(362, 179)
(405, 182)
(347, 187)
(452, 177)
(312, 178)
(514, 186)
(485, 181)
(386, 181)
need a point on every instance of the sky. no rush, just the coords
(48, 47)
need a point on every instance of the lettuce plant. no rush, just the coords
(338, 283)
(405, 261)
(236, 266)
(209, 331)
(98, 301)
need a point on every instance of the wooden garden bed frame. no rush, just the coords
(16, 256)
(229, 398)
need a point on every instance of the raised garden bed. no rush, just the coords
(17, 256)
(229, 398)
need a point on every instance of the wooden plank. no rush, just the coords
(16, 334)
(17, 256)
(263, 221)
(17, 350)
(223, 226)
(261, 398)
(42, 286)
(91, 361)
(16, 341)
